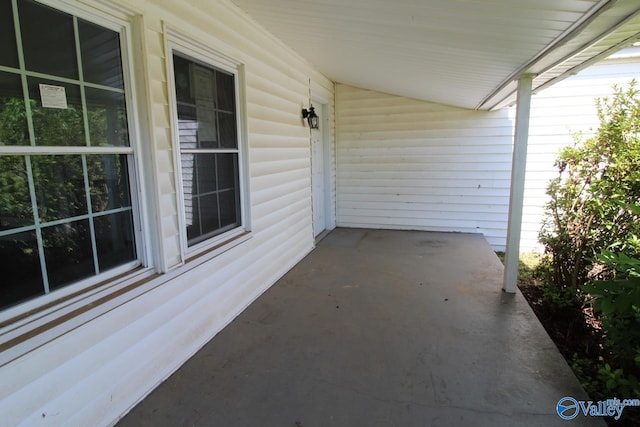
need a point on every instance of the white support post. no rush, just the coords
(518, 169)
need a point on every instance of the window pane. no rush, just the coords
(107, 116)
(48, 40)
(206, 106)
(13, 118)
(108, 181)
(226, 92)
(60, 190)
(204, 219)
(114, 239)
(204, 93)
(227, 125)
(181, 67)
(9, 51)
(68, 253)
(100, 51)
(192, 216)
(21, 274)
(229, 208)
(207, 120)
(227, 171)
(205, 173)
(187, 127)
(57, 126)
(15, 203)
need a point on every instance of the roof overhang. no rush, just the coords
(464, 53)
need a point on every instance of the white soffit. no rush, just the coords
(465, 53)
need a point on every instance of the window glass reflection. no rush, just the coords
(114, 239)
(227, 171)
(13, 116)
(227, 124)
(57, 126)
(208, 214)
(68, 253)
(108, 181)
(100, 51)
(21, 273)
(9, 51)
(107, 116)
(48, 40)
(229, 208)
(15, 202)
(59, 184)
(205, 173)
(226, 92)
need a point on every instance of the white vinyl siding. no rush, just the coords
(408, 164)
(557, 114)
(102, 366)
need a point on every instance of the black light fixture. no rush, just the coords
(311, 116)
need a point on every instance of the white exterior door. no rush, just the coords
(317, 174)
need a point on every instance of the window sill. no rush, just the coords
(208, 252)
(28, 331)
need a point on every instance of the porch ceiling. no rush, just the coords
(466, 53)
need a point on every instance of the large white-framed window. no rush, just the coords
(69, 217)
(210, 146)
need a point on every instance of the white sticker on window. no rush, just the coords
(53, 96)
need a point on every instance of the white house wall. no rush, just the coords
(408, 164)
(95, 372)
(557, 114)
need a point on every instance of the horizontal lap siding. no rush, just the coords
(407, 164)
(95, 373)
(557, 114)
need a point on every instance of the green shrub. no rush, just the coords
(590, 200)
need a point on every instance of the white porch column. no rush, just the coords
(518, 168)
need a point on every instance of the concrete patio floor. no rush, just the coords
(376, 328)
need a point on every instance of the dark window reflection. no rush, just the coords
(21, 273)
(48, 40)
(226, 92)
(107, 116)
(202, 219)
(60, 189)
(192, 216)
(9, 51)
(100, 51)
(15, 202)
(181, 67)
(229, 208)
(68, 253)
(227, 125)
(114, 239)
(13, 117)
(209, 220)
(108, 181)
(206, 106)
(205, 179)
(227, 171)
(57, 126)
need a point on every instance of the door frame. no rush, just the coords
(328, 166)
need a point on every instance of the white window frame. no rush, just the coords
(181, 44)
(28, 325)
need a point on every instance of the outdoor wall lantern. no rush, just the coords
(311, 117)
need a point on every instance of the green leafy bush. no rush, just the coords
(591, 235)
(591, 199)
